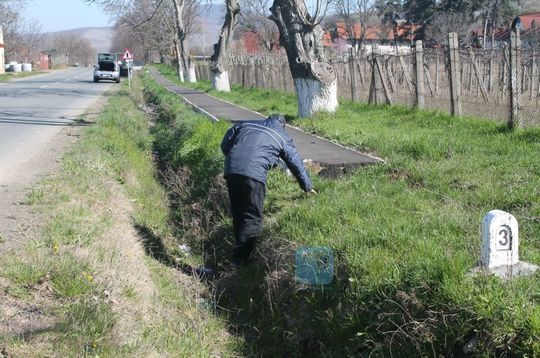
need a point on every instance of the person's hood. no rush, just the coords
(278, 117)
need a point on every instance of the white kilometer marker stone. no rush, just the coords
(500, 247)
(500, 239)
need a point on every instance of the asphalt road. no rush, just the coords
(35, 109)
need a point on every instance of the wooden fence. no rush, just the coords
(502, 84)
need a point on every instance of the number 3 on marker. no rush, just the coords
(505, 237)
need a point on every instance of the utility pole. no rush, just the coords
(203, 42)
(2, 59)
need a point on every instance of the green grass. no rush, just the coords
(82, 272)
(25, 271)
(405, 235)
(10, 75)
(188, 329)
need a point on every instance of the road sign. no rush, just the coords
(127, 55)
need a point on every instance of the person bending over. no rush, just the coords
(251, 148)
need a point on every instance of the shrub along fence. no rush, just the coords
(502, 84)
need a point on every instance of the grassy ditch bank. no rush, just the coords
(94, 284)
(405, 234)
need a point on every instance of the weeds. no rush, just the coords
(405, 234)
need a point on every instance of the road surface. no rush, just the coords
(35, 109)
(39, 117)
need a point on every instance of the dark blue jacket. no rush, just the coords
(251, 148)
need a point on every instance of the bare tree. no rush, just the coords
(183, 22)
(146, 30)
(73, 48)
(254, 19)
(220, 58)
(356, 16)
(527, 6)
(301, 35)
(12, 24)
(443, 23)
(30, 37)
(497, 12)
(183, 27)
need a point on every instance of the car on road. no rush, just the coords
(124, 70)
(107, 70)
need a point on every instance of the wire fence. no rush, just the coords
(501, 84)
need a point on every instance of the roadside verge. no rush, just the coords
(85, 286)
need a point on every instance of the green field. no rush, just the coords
(405, 235)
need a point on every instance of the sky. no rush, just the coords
(57, 15)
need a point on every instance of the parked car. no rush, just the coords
(103, 56)
(107, 70)
(123, 70)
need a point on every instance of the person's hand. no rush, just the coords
(311, 192)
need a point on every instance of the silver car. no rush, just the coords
(107, 70)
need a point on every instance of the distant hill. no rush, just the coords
(210, 18)
(99, 37)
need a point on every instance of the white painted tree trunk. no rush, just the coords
(315, 96)
(181, 75)
(191, 75)
(220, 81)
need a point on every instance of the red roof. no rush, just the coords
(529, 21)
(372, 32)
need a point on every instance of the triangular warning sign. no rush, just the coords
(127, 55)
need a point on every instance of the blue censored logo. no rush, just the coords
(314, 265)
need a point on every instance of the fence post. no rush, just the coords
(406, 74)
(386, 89)
(533, 75)
(353, 77)
(419, 64)
(490, 81)
(379, 92)
(515, 79)
(437, 75)
(375, 91)
(455, 83)
(478, 76)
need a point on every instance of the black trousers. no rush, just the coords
(247, 199)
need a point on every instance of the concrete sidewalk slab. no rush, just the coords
(333, 158)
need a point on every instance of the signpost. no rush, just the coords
(128, 58)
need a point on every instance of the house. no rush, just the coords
(528, 24)
(400, 36)
(250, 43)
